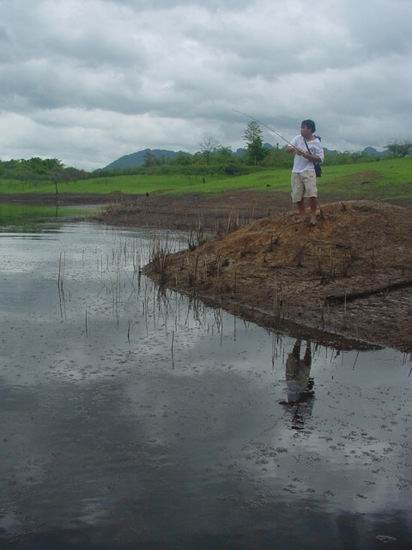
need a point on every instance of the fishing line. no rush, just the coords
(266, 126)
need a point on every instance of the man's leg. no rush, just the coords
(308, 354)
(311, 192)
(313, 203)
(301, 208)
(296, 349)
(298, 190)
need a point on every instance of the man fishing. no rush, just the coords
(308, 151)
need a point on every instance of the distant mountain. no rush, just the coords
(367, 151)
(372, 152)
(134, 160)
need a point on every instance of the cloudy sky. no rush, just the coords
(88, 81)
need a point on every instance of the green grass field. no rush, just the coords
(390, 178)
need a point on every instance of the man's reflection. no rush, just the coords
(299, 384)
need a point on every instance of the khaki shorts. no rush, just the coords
(303, 185)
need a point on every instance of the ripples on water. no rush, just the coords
(132, 416)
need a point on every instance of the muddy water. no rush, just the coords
(137, 419)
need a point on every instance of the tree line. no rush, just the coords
(38, 169)
(214, 158)
(211, 158)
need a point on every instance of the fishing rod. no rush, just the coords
(268, 127)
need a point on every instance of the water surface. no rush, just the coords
(133, 418)
(31, 217)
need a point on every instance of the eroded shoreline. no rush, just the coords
(351, 275)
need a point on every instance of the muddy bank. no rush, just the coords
(351, 274)
(217, 214)
(63, 199)
(214, 213)
(169, 211)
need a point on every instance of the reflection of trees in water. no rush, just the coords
(300, 393)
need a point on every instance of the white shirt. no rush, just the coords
(300, 163)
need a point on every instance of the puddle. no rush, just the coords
(136, 418)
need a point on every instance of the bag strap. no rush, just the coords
(309, 151)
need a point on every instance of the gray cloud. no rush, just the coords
(89, 81)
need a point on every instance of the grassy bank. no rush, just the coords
(390, 178)
(24, 215)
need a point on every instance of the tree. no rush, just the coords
(253, 138)
(208, 145)
(277, 157)
(399, 149)
(183, 159)
(223, 155)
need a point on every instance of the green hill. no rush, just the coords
(135, 160)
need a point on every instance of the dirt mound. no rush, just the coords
(351, 273)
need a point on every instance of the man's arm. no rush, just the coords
(313, 158)
(316, 154)
(292, 148)
(295, 150)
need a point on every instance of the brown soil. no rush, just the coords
(213, 213)
(351, 273)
